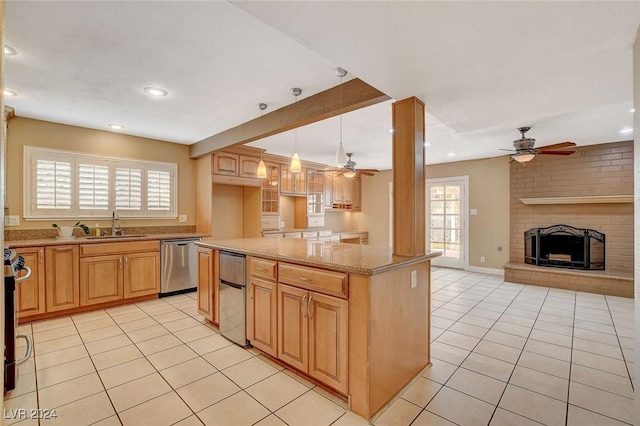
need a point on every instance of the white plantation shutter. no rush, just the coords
(53, 184)
(128, 189)
(72, 185)
(93, 187)
(159, 190)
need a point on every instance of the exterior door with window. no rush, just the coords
(446, 220)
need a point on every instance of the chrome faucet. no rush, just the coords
(114, 217)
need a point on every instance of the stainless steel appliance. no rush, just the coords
(233, 296)
(178, 260)
(13, 264)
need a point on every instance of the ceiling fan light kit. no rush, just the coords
(525, 151)
(295, 166)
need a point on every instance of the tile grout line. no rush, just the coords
(624, 358)
(573, 332)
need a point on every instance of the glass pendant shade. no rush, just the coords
(349, 174)
(341, 156)
(523, 158)
(295, 167)
(262, 170)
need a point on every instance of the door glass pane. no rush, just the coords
(452, 192)
(453, 207)
(452, 236)
(437, 235)
(452, 222)
(437, 207)
(437, 221)
(437, 193)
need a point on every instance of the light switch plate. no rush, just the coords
(12, 220)
(473, 212)
(414, 278)
(183, 218)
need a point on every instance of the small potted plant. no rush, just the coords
(67, 231)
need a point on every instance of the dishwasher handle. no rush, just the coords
(234, 285)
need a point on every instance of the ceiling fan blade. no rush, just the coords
(556, 152)
(369, 170)
(510, 150)
(558, 145)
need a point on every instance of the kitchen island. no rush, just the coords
(354, 318)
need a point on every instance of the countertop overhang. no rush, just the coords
(89, 240)
(349, 258)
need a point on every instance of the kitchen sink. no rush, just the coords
(113, 237)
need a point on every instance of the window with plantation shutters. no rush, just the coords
(128, 189)
(63, 184)
(93, 187)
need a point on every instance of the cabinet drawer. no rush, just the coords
(118, 248)
(315, 221)
(270, 222)
(262, 268)
(297, 235)
(309, 235)
(325, 233)
(328, 282)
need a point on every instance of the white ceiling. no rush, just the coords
(482, 68)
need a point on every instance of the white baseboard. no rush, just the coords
(493, 271)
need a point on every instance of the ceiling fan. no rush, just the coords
(525, 151)
(349, 170)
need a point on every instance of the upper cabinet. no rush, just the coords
(270, 190)
(341, 193)
(249, 166)
(315, 193)
(226, 164)
(293, 183)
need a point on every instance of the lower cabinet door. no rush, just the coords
(31, 300)
(206, 306)
(100, 279)
(141, 274)
(328, 340)
(293, 331)
(62, 282)
(262, 316)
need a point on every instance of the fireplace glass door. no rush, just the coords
(445, 221)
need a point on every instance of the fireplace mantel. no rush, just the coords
(591, 199)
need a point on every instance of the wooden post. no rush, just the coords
(408, 178)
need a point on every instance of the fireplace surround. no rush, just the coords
(565, 246)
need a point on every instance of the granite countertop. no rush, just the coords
(94, 240)
(349, 258)
(280, 231)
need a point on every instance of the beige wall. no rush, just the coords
(488, 193)
(227, 215)
(27, 132)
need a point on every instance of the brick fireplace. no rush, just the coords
(591, 189)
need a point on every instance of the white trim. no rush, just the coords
(465, 215)
(30, 213)
(492, 271)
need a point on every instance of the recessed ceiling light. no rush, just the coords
(427, 144)
(451, 154)
(626, 130)
(115, 126)
(390, 130)
(9, 51)
(155, 91)
(632, 110)
(8, 92)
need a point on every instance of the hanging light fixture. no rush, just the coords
(341, 155)
(295, 166)
(262, 169)
(523, 157)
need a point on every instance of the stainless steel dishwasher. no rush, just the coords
(233, 297)
(178, 260)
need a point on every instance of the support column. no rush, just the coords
(408, 178)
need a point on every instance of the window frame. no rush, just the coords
(32, 154)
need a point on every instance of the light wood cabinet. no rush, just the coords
(356, 194)
(101, 279)
(141, 274)
(226, 164)
(248, 166)
(62, 283)
(315, 193)
(293, 183)
(271, 191)
(262, 315)
(206, 301)
(328, 191)
(31, 292)
(346, 193)
(116, 271)
(313, 334)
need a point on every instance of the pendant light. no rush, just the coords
(341, 155)
(295, 166)
(262, 169)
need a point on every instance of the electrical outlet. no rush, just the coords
(183, 218)
(12, 220)
(414, 279)
(482, 259)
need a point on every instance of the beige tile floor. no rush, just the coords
(502, 353)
